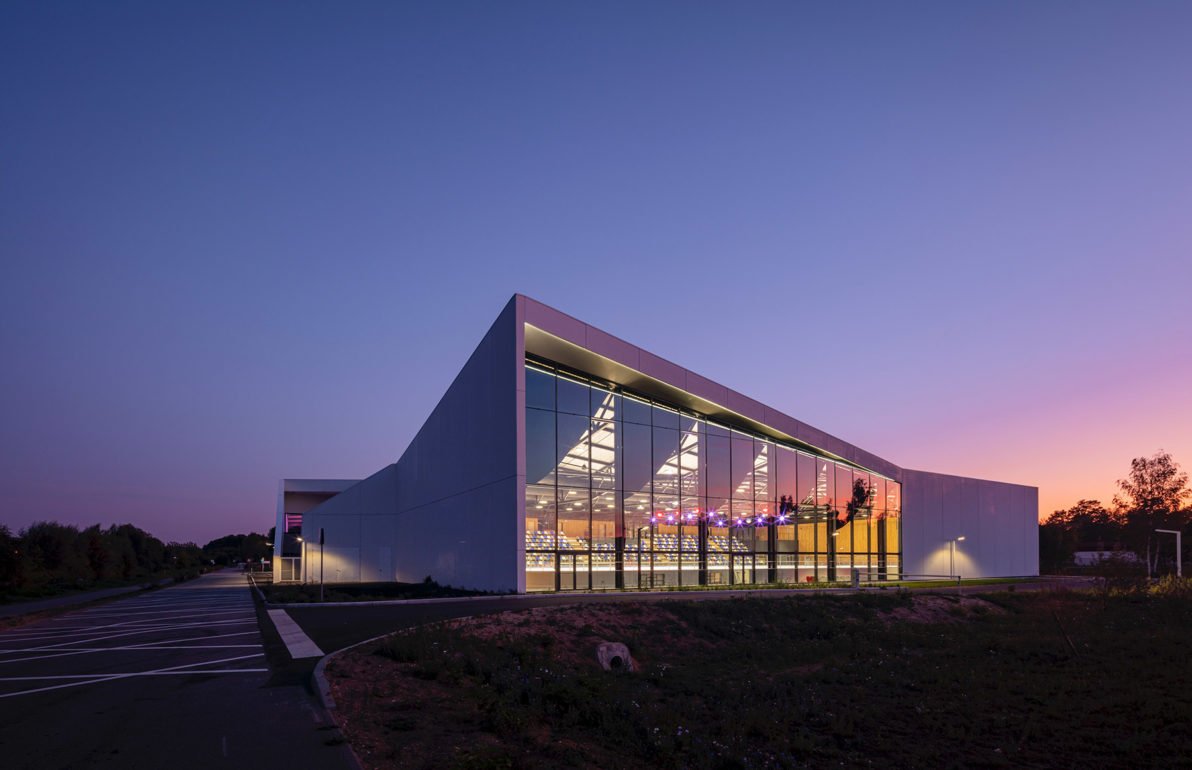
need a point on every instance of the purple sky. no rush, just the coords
(246, 241)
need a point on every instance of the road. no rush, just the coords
(182, 677)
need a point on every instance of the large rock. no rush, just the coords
(614, 656)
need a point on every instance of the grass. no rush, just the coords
(361, 592)
(1067, 679)
(943, 583)
(55, 588)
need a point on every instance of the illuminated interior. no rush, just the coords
(626, 492)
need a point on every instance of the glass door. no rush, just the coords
(574, 571)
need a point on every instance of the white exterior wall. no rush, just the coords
(300, 496)
(999, 523)
(458, 490)
(450, 507)
(360, 533)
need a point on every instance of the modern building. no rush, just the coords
(563, 458)
(294, 498)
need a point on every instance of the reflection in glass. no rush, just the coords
(605, 404)
(635, 411)
(603, 442)
(763, 452)
(742, 467)
(665, 418)
(624, 493)
(540, 389)
(540, 447)
(637, 471)
(572, 443)
(573, 396)
(666, 462)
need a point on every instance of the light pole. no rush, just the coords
(1179, 550)
(322, 540)
(952, 555)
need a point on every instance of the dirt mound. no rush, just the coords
(931, 608)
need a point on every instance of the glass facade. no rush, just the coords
(625, 492)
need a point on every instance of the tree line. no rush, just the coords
(47, 557)
(1154, 495)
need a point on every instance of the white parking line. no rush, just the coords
(164, 606)
(67, 632)
(150, 629)
(214, 610)
(176, 670)
(130, 648)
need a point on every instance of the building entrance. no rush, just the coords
(573, 572)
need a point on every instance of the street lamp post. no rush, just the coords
(1179, 550)
(952, 555)
(322, 541)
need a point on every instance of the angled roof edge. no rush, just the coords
(557, 336)
(971, 478)
(316, 486)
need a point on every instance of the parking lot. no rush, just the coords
(179, 677)
(193, 630)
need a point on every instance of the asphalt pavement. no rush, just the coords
(187, 676)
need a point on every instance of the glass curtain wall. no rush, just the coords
(622, 492)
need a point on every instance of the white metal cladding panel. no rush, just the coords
(1031, 548)
(997, 520)
(338, 560)
(1010, 557)
(468, 540)
(934, 503)
(981, 545)
(470, 438)
(921, 521)
(357, 548)
(378, 536)
(458, 484)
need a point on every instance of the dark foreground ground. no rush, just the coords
(183, 677)
(336, 627)
(1013, 679)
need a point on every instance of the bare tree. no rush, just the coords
(1152, 497)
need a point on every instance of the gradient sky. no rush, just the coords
(247, 241)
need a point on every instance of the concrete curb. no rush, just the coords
(260, 593)
(323, 688)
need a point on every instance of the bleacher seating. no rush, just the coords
(604, 550)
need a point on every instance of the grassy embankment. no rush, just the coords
(885, 679)
(290, 593)
(361, 592)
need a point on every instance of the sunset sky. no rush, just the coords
(241, 242)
